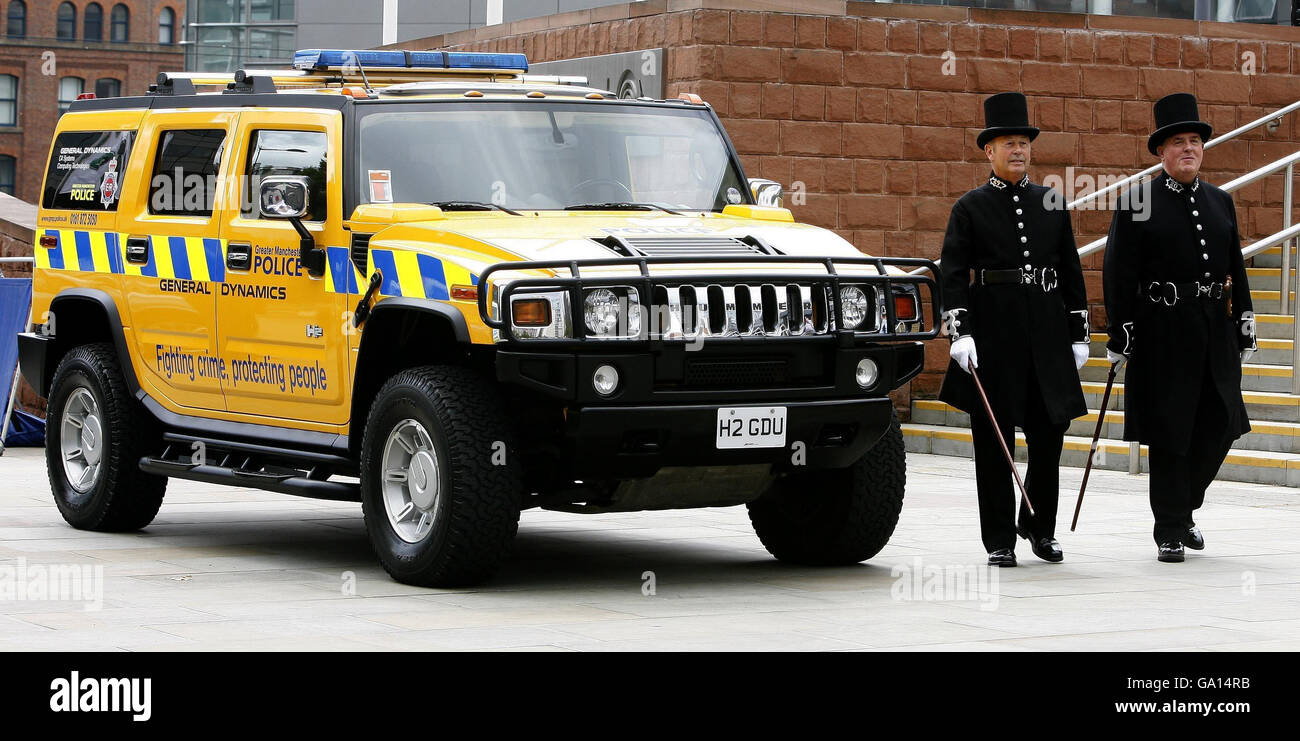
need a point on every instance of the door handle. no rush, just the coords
(137, 249)
(238, 256)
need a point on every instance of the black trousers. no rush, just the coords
(997, 490)
(1179, 480)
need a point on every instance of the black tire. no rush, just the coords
(121, 497)
(835, 517)
(476, 514)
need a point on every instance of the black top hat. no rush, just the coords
(1005, 114)
(1175, 114)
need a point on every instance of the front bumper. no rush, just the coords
(621, 442)
(766, 371)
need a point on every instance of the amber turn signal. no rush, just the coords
(905, 308)
(464, 293)
(531, 312)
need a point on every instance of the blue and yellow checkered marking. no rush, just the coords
(405, 273)
(417, 275)
(185, 258)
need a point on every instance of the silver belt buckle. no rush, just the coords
(1049, 287)
(1026, 277)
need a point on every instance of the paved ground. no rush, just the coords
(225, 569)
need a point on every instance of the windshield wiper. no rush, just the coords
(619, 205)
(472, 206)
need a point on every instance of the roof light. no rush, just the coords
(86, 96)
(327, 58)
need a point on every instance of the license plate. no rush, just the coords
(751, 427)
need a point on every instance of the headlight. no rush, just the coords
(612, 312)
(854, 306)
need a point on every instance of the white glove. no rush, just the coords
(1246, 355)
(1080, 354)
(963, 351)
(1113, 357)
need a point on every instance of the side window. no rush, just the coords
(184, 180)
(274, 152)
(85, 172)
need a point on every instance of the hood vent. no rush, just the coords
(684, 246)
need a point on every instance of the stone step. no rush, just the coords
(1266, 406)
(1267, 279)
(1261, 467)
(1254, 376)
(1269, 258)
(1277, 437)
(1271, 351)
(1275, 326)
(1268, 301)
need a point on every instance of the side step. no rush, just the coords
(232, 463)
(283, 484)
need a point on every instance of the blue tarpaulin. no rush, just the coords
(15, 305)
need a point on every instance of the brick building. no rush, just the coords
(874, 108)
(52, 50)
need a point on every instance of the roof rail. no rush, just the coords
(170, 85)
(246, 82)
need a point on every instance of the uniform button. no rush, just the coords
(1029, 267)
(1198, 227)
(1195, 212)
(1205, 256)
(1202, 242)
(1192, 199)
(1019, 211)
(1026, 253)
(1020, 225)
(1207, 275)
(1016, 199)
(1024, 239)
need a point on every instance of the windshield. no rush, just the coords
(537, 156)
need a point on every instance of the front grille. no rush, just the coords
(736, 373)
(764, 310)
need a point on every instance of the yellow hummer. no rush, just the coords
(434, 284)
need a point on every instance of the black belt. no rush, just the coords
(1171, 293)
(1042, 277)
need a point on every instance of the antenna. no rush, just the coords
(354, 60)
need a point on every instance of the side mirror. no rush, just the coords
(287, 197)
(766, 192)
(284, 197)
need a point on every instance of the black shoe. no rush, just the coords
(1047, 549)
(1170, 552)
(1002, 557)
(1194, 539)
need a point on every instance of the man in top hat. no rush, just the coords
(1016, 311)
(1179, 313)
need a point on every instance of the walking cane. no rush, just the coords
(1010, 461)
(1092, 451)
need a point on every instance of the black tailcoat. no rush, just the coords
(1003, 225)
(1190, 236)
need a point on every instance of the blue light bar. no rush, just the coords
(315, 59)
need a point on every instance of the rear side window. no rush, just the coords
(273, 152)
(85, 172)
(184, 179)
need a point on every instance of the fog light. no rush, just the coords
(605, 380)
(867, 373)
